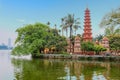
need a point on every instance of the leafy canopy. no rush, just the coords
(111, 22)
(89, 46)
(115, 42)
(35, 38)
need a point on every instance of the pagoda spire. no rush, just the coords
(87, 35)
(87, 6)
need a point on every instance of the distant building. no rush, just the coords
(3, 47)
(9, 43)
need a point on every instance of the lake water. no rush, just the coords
(13, 68)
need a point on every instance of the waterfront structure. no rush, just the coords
(105, 43)
(70, 46)
(87, 35)
(77, 46)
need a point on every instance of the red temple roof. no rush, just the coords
(105, 39)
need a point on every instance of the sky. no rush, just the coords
(17, 13)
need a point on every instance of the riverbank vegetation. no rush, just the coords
(38, 38)
(41, 38)
(111, 24)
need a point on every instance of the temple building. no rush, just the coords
(97, 42)
(69, 47)
(105, 43)
(87, 35)
(77, 46)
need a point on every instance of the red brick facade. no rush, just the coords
(87, 35)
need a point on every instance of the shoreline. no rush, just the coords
(78, 57)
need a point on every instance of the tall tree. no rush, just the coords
(64, 27)
(112, 31)
(48, 23)
(98, 37)
(111, 22)
(33, 39)
(62, 19)
(76, 28)
(70, 22)
(115, 43)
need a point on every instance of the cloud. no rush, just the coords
(21, 20)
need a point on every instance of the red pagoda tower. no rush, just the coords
(87, 35)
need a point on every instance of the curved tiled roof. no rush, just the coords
(77, 38)
(105, 38)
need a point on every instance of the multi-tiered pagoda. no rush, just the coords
(87, 35)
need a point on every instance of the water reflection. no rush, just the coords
(65, 70)
(37, 69)
(6, 68)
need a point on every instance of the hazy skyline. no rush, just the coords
(16, 13)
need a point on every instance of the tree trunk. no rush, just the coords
(62, 32)
(70, 37)
(66, 32)
(75, 32)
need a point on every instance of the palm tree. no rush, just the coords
(62, 19)
(76, 28)
(98, 37)
(111, 31)
(70, 22)
(48, 23)
(55, 26)
(111, 22)
(57, 30)
(64, 27)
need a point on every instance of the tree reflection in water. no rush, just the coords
(38, 69)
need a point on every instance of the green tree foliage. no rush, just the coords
(33, 39)
(111, 22)
(98, 49)
(70, 22)
(64, 26)
(87, 46)
(112, 31)
(115, 42)
(98, 37)
(48, 23)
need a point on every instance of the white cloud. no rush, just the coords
(21, 20)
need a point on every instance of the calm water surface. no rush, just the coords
(37, 69)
